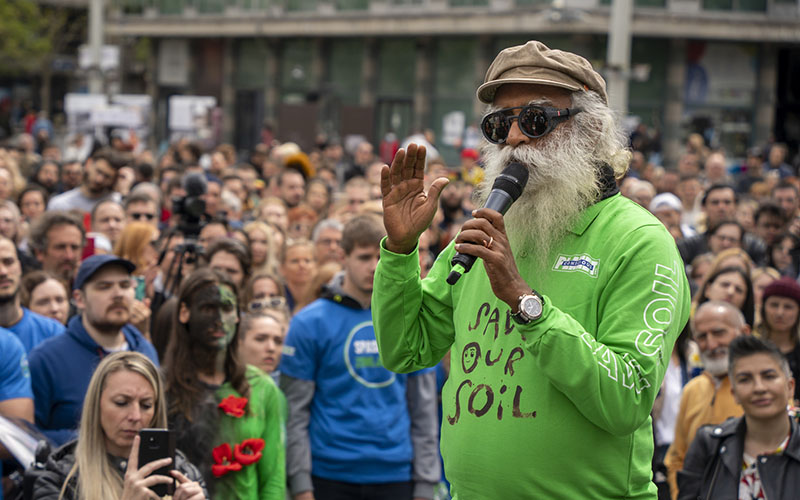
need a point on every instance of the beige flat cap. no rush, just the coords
(535, 63)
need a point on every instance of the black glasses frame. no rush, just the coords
(141, 215)
(496, 125)
(266, 303)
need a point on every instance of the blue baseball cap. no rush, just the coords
(94, 263)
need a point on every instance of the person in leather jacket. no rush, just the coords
(124, 396)
(756, 455)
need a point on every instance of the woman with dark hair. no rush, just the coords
(729, 284)
(261, 336)
(46, 174)
(232, 257)
(228, 416)
(32, 201)
(754, 456)
(784, 254)
(780, 324)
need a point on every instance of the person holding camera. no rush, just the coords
(124, 396)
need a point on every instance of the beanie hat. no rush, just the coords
(784, 287)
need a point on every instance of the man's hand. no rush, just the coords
(407, 209)
(306, 495)
(485, 238)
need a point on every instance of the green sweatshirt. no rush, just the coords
(558, 408)
(266, 419)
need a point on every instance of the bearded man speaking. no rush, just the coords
(561, 333)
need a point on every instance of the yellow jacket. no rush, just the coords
(705, 400)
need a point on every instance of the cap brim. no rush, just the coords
(487, 90)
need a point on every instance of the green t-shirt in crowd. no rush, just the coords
(558, 408)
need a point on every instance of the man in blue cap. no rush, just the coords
(62, 366)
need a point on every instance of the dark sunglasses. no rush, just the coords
(138, 215)
(534, 121)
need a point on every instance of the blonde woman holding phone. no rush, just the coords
(125, 395)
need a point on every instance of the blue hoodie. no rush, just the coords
(61, 368)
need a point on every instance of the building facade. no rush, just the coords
(729, 69)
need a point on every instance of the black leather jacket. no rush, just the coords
(47, 483)
(713, 465)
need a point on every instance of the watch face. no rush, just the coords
(531, 307)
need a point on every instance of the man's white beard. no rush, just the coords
(715, 362)
(563, 181)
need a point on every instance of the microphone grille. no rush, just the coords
(512, 180)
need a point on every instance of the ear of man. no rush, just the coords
(78, 299)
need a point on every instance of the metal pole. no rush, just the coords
(95, 45)
(619, 54)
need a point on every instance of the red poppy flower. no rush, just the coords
(223, 459)
(249, 451)
(233, 406)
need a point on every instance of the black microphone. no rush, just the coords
(506, 189)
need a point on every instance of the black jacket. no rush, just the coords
(48, 482)
(713, 465)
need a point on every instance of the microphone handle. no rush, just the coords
(498, 200)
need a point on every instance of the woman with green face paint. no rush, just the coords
(228, 417)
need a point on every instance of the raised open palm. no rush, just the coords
(407, 209)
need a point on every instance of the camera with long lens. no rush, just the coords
(191, 208)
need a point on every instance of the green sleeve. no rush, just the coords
(612, 374)
(413, 318)
(272, 466)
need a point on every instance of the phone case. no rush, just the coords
(153, 445)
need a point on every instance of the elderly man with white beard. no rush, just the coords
(561, 333)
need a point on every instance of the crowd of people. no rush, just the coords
(229, 298)
(196, 261)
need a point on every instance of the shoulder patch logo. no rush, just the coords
(571, 263)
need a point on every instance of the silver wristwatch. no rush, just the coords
(529, 309)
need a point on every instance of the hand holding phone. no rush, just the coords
(140, 290)
(139, 480)
(155, 445)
